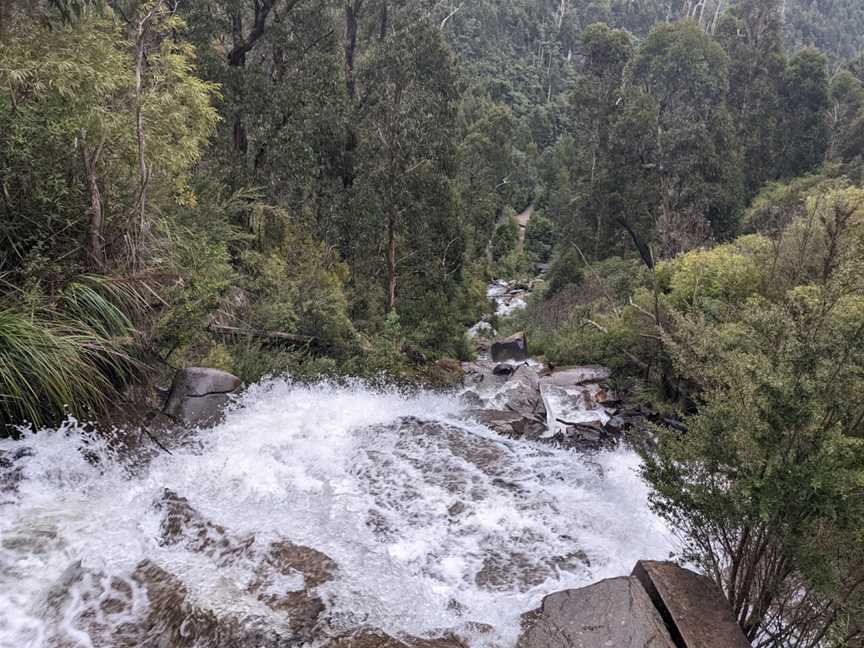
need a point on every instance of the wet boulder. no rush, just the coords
(310, 569)
(199, 395)
(615, 612)
(481, 375)
(448, 371)
(11, 472)
(509, 424)
(523, 395)
(174, 620)
(107, 611)
(586, 437)
(692, 606)
(504, 369)
(522, 412)
(286, 576)
(570, 377)
(374, 638)
(514, 348)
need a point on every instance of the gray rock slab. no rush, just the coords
(614, 613)
(691, 605)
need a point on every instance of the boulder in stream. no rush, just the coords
(514, 348)
(523, 395)
(199, 395)
(691, 605)
(275, 566)
(615, 612)
(522, 412)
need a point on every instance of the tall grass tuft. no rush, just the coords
(71, 356)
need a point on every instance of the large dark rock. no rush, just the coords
(691, 605)
(616, 613)
(199, 395)
(514, 347)
(586, 437)
(503, 369)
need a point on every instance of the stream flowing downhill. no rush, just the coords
(415, 521)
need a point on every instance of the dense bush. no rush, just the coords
(73, 355)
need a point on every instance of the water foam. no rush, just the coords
(432, 526)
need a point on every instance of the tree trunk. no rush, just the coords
(384, 20)
(641, 246)
(352, 21)
(138, 224)
(95, 238)
(352, 13)
(242, 45)
(391, 263)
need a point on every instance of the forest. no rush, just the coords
(326, 187)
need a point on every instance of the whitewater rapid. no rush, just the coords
(431, 526)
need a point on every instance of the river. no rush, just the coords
(432, 523)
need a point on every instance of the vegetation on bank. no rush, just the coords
(326, 188)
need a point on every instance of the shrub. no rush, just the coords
(70, 356)
(727, 273)
(765, 486)
(506, 236)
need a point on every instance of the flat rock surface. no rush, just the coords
(692, 603)
(616, 613)
(571, 377)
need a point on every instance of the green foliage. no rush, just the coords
(65, 97)
(566, 270)
(540, 237)
(69, 357)
(805, 92)
(728, 274)
(506, 236)
(768, 476)
(486, 166)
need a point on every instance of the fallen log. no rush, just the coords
(273, 337)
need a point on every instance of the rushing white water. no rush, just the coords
(507, 299)
(431, 526)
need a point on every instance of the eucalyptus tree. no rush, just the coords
(407, 155)
(804, 134)
(751, 33)
(661, 158)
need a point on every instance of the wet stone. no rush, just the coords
(615, 612)
(374, 638)
(456, 509)
(280, 562)
(11, 473)
(505, 571)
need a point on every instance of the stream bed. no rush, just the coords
(311, 511)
